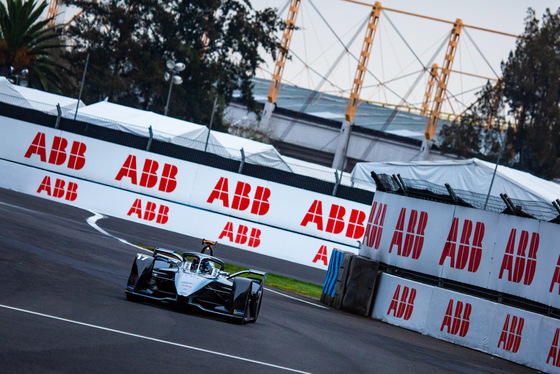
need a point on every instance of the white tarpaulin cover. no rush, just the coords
(180, 132)
(469, 175)
(35, 99)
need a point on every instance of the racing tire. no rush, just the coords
(257, 307)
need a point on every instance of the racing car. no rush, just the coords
(198, 280)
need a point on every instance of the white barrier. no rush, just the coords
(167, 215)
(287, 222)
(509, 254)
(516, 335)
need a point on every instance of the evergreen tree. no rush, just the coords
(26, 43)
(129, 41)
(530, 91)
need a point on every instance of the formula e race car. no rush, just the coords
(198, 280)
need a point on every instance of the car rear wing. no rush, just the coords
(261, 274)
(167, 253)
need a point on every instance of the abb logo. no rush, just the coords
(374, 228)
(522, 265)
(149, 212)
(149, 177)
(510, 339)
(58, 154)
(321, 255)
(457, 318)
(413, 236)
(466, 252)
(335, 222)
(556, 277)
(241, 200)
(241, 236)
(60, 189)
(554, 352)
(402, 304)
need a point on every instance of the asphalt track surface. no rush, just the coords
(63, 310)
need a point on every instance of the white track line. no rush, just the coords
(92, 221)
(295, 298)
(151, 339)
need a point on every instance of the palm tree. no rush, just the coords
(26, 43)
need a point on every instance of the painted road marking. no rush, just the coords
(151, 339)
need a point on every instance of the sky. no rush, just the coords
(402, 47)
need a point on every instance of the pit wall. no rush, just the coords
(516, 335)
(245, 212)
(508, 254)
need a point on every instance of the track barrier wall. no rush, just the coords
(242, 211)
(520, 336)
(499, 252)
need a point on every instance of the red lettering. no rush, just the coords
(556, 277)
(260, 204)
(136, 208)
(447, 319)
(149, 174)
(521, 265)
(510, 338)
(553, 352)
(315, 215)
(77, 160)
(59, 188)
(227, 232)
(254, 238)
(58, 151)
(449, 247)
(128, 169)
(150, 212)
(395, 302)
(162, 216)
(507, 262)
(399, 230)
(464, 247)
(241, 199)
(220, 192)
(335, 224)
(45, 185)
(38, 147)
(71, 191)
(321, 255)
(356, 227)
(532, 260)
(402, 305)
(466, 320)
(241, 237)
(374, 228)
(476, 249)
(414, 240)
(410, 304)
(168, 182)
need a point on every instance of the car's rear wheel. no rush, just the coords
(257, 306)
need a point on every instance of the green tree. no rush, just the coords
(530, 93)
(532, 90)
(26, 44)
(129, 42)
(477, 134)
